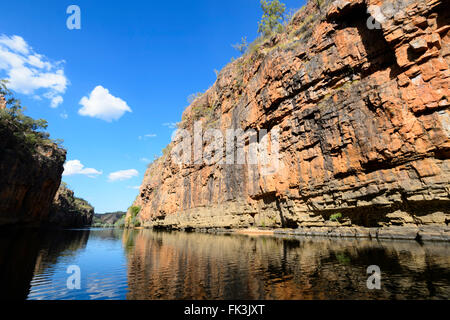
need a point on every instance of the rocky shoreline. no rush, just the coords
(423, 233)
(415, 233)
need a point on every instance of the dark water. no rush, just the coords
(144, 264)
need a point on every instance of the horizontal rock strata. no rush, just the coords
(362, 111)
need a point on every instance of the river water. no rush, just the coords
(145, 264)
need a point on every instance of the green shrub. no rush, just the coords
(342, 258)
(135, 211)
(133, 220)
(120, 223)
(336, 217)
(272, 19)
(201, 111)
(82, 204)
(31, 133)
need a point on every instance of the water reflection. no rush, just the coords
(203, 266)
(25, 253)
(102, 263)
(144, 264)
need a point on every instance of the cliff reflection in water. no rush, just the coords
(181, 265)
(145, 264)
(26, 253)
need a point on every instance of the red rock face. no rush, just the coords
(362, 111)
(28, 180)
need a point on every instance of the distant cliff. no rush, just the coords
(68, 211)
(362, 111)
(113, 219)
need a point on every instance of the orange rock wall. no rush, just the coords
(363, 119)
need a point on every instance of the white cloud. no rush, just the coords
(171, 125)
(56, 101)
(15, 43)
(75, 167)
(123, 175)
(134, 187)
(31, 73)
(152, 135)
(102, 105)
(145, 160)
(64, 115)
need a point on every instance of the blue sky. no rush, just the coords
(146, 57)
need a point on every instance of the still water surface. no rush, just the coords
(144, 264)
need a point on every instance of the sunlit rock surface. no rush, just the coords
(362, 111)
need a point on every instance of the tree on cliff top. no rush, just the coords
(271, 21)
(31, 132)
(273, 16)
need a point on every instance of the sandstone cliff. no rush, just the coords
(361, 106)
(31, 166)
(68, 211)
(109, 219)
(29, 178)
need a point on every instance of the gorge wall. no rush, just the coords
(361, 107)
(68, 211)
(28, 179)
(109, 219)
(31, 192)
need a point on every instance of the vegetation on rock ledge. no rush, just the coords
(70, 211)
(28, 131)
(109, 220)
(132, 220)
